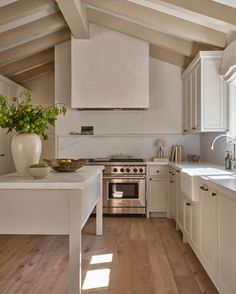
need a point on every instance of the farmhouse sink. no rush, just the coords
(189, 179)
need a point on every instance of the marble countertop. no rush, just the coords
(225, 183)
(71, 180)
(224, 179)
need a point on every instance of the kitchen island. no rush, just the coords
(59, 204)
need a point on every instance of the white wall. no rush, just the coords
(42, 90)
(164, 115)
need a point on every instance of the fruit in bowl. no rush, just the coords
(39, 170)
(65, 165)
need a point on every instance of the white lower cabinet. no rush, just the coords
(191, 226)
(180, 210)
(172, 193)
(156, 189)
(195, 238)
(218, 237)
(157, 194)
(226, 244)
(208, 228)
(187, 218)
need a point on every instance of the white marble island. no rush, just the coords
(59, 204)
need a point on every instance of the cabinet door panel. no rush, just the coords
(180, 209)
(208, 219)
(227, 241)
(173, 195)
(157, 194)
(184, 105)
(213, 89)
(197, 98)
(187, 218)
(195, 227)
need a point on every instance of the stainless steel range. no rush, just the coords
(124, 185)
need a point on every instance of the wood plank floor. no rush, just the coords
(134, 256)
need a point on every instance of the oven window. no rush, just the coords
(123, 190)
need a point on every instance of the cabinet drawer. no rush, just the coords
(158, 171)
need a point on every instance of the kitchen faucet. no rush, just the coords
(227, 135)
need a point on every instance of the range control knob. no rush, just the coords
(128, 170)
(115, 170)
(135, 170)
(122, 170)
(141, 170)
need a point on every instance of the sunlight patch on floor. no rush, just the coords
(96, 279)
(102, 258)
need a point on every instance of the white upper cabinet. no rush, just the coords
(110, 70)
(204, 104)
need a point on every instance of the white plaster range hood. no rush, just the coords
(228, 65)
(109, 71)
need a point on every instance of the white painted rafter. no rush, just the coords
(207, 13)
(28, 63)
(33, 73)
(154, 37)
(160, 21)
(31, 31)
(22, 9)
(33, 47)
(74, 12)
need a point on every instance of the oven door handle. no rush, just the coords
(124, 178)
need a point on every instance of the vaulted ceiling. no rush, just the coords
(175, 29)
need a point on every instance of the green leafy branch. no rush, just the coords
(23, 117)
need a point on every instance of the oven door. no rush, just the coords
(124, 192)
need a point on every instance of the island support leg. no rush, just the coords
(99, 216)
(75, 243)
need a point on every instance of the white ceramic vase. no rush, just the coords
(26, 150)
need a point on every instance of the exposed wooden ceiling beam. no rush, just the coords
(31, 31)
(27, 63)
(23, 8)
(74, 12)
(138, 31)
(207, 8)
(34, 73)
(169, 56)
(34, 47)
(160, 21)
(230, 3)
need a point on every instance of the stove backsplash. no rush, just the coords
(137, 146)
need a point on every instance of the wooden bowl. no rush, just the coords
(65, 164)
